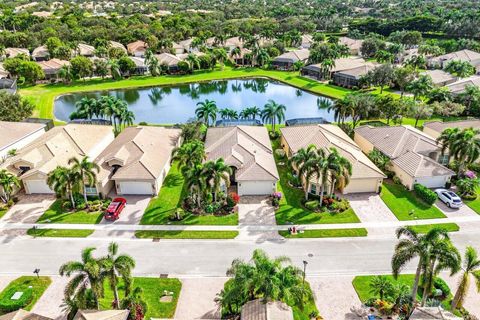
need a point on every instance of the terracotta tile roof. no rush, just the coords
(137, 46)
(142, 152)
(439, 76)
(247, 148)
(53, 65)
(293, 56)
(327, 136)
(101, 315)
(12, 132)
(13, 52)
(168, 59)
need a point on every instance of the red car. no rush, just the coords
(115, 208)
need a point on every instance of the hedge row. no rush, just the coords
(425, 194)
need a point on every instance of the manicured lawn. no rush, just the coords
(362, 284)
(2, 212)
(327, 233)
(56, 214)
(153, 289)
(186, 234)
(475, 204)
(308, 307)
(291, 210)
(450, 227)
(60, 233)
(405, 205)
(169, 199)
(22, 284)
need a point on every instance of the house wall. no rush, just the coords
(21, 143)
(432, 133)
(286, 147)
(363, 143)
(407, 180)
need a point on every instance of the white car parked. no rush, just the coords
(450, 198)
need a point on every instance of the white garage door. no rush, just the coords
(37, 186)
(133, 187)
(433, 182)
(361, 186)
(251, 188)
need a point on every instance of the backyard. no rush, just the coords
(169, 199)
(405, 205)
(31, 287)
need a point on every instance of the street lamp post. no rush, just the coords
(304, 271)
(37, 272)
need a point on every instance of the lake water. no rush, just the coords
(177, 104)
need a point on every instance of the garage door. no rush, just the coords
(362, 186)
(133, 187)
(251, 188)
(432, 182)
(37, 186)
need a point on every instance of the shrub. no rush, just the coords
(312, 205)
(9, 305)
(396, 180)
(234, 198)
(340, 206)
(82, 206)
(178, 215)
(294, 180)
(440, 284)
(425, 194)
(67, 205)
(273, 134)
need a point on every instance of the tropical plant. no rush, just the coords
(273, 112)
(339, 170)
(303, 163)
(8, 183)
(190, 153)
(471, 268)
(379, 159)
(195, 182)
(64, 181)
(206, 111)
(324, 103)
(381, 286)
(135, 303)
(214, 173)
(87, 171)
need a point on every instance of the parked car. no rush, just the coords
(450, 198)
(114, 209)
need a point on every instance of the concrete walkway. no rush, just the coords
(50, 303)
(256, 211)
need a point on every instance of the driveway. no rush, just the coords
(50, 303)
(463, 211)
(29, 208)
(255, 210)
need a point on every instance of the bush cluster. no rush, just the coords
(424, 193)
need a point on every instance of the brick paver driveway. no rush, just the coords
(255, 210)
(29, 208)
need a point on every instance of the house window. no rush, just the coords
(91, 190)
(313, 189)
(24, 169)
(443, 159)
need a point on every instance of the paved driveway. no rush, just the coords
(463, 211)
(29, 208)
(50, 303)
(255, 210)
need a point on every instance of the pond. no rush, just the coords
(177, 104)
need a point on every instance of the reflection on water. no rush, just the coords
(176, 104)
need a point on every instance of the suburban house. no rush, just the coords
(440, 78)
(137, 161)
(22, 314)
(232, 43)
(52, 67)
(242, 58)
(85, 50)
(366, 177)
(353, 44)
(260, 310)
(316, 71)
(36, 160)
(285, 61)
(42, 14)
(40, 54)
(351, 77)
(178, 48)
(137, 48)
(435, 128)
(307, 41)
(169, 60)
(186, 44)
(415, 157)
(140, 66)
(101, 315)
(115, 44)
(13, 52)
(441, 62)
(459, 86)
(16, 135)
(247, 150)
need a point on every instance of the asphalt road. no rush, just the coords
(195, 258)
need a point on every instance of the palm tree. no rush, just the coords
(65, 73)
(116, 266)
(321, 169)
(471, 267)
(114, 69)
(273, 112)
(216, 172)
(340, 111)
(135, 302)
(195, 181)
(64, 181)
(324, 103)
(303, 163)
(421, 86)
(220, 55)
(250, 113)
(447, 137)
(326, 65)
(86, 274)
(8, 182)
(381, 286)
(262, 57)
(340, 170)
(87, 171)
(190, 153)
(465, 147)
(193, 61)
(84, 108)
(206, 111)
(126, 118)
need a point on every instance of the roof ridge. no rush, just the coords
(253, 138)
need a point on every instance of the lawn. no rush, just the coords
(56, 214)
(153, 289)
(169, 199)
(362, 284)
(291, 210)
(475, 204)
(60, 233)
(327, 233)
(2, 212)
(186, 234)
(22, 284)
(405, 205)
(450, 227)
(308, 307)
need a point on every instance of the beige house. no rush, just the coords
(16, 135)
(35, 161)
(272, 310)
(441, 62)
(351, 77)
(459, 86)
(169, 60)
(40, 54)
(353, 44)
(440, 78)
(137, 161)
(85, 50)
(366, 177)
(435, 128)
(101, 315)
(286, 60)
(340, 64)
(115, 44)
(415, 156)
(23, 315)
(247, 150)
(137, 48)
(52, 67)
(13, 52)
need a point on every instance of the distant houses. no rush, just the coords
(351, 78)
(40, 53)
(316, 71)
(137, 48)
(52, 67)
(459, 86)
(287, 60)
(440, 78)
(435, 128)
(353, 45)
(441, 62)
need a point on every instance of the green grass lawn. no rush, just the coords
(153, 289)
(308, 307)
(475, 204)
(291, 210)
(60, 233)
(38, 284)
(362, 284)
(403, 202)
(186, 234)
(169, 199)
(2, 212)
(327, 233)
(450, 227)
(56, 214)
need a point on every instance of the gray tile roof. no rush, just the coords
(439, 126)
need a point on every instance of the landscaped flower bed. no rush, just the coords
(331, 204)
(221, 206)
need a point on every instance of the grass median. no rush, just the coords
(326, 233)
(186, 234)
(60, 233)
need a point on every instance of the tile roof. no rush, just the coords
(12, 132)
(353, 44)
(137, 46)
(115, 44)
(101, 315)
(13, 52)
(462, 55)
(439, 126)
(85, 49)
(168, 59)
(341, 64)
(53, 65)
(407, 147)
(247, 148)
(273, 310)
(360, 70)
(460, 85)
(295, 55)
(23, 315)
(328, 136)
(41, 51)
(142, 152)
(439, 76)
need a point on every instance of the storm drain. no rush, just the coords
(163, 275)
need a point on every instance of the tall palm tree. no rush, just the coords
(303, 162)
(326, 65)
(195, 181)
(340, 170)
(193, 61)
(273, 112)
(471, 267)
(117, 266)
(8, 183)
(206, 111)
(221, 56)
(321, 170)
(85, 108)
(324, 103)
(216, 172)
(126, 118)
(465, 147)
(447, 137)
(189, 154)
(64, 181)
(85, 274)
(341, 110)
(87, 171)
(262, 57)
